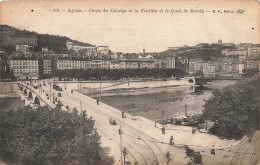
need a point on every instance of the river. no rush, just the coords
(161, 103)
(152, 103)
(10, 103)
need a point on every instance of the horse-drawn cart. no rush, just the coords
(112, 121)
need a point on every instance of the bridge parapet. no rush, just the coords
(33, 94)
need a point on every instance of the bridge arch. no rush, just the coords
(36, 100)
(30, 95)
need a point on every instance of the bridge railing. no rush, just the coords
(31, 89)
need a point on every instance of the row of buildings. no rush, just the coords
(31, 68)
(234, 59)
(224, 67)
(247, 51)
(232, 64)
(221, 67)
(89, 49)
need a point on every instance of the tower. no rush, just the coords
(144, 51)
(219, 42)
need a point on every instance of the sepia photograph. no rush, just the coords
(129, 82)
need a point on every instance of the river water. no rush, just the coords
(10, 103)
(161, 103)
(152, 103)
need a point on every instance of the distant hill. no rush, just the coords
(52, 42)
(207, 53)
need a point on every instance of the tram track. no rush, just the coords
(76, 100)
(248, 149)
(136, 130)
(253, 154)
(243, 152)
(106, 132)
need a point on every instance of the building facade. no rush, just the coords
(47, 66)
(254, 51)
(96, 64)
(71, 45)
(208, 69)
(138, 63)
(24, 49)
(105, 64)
(103, 49)
(230, 52)
(25, 69)
(73, 64)
(171, 62)
(195, 66)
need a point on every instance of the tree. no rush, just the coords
(234, 109)
(199, 73)
(248, 73)
(49, 136)
(190, 81)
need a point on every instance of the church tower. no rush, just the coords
(219, 42)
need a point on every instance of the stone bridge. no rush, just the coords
(31, 94)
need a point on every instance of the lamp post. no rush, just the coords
(186, 110)
(124, 154)
(120, 134)
(39, 91)
(100, 92)
(50, 93)
(162, 114)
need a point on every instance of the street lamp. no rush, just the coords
(124, 154)
(162, 114)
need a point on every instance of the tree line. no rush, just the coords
(117, 74)
(49, 136)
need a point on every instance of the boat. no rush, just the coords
(197, 93)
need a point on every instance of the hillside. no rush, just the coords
(55, 43)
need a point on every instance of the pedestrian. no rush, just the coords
(206, 125)
(249, 139)
(168, 156)
(163, 130)
(171, 120)
(193, 130)
(171, 141)
(97, 102)
(212, 150)
(123, 114)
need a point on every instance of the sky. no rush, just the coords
(133, 31)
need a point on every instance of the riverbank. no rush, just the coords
(159, 102)
(9, 90)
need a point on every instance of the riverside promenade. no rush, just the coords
(144, 142)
